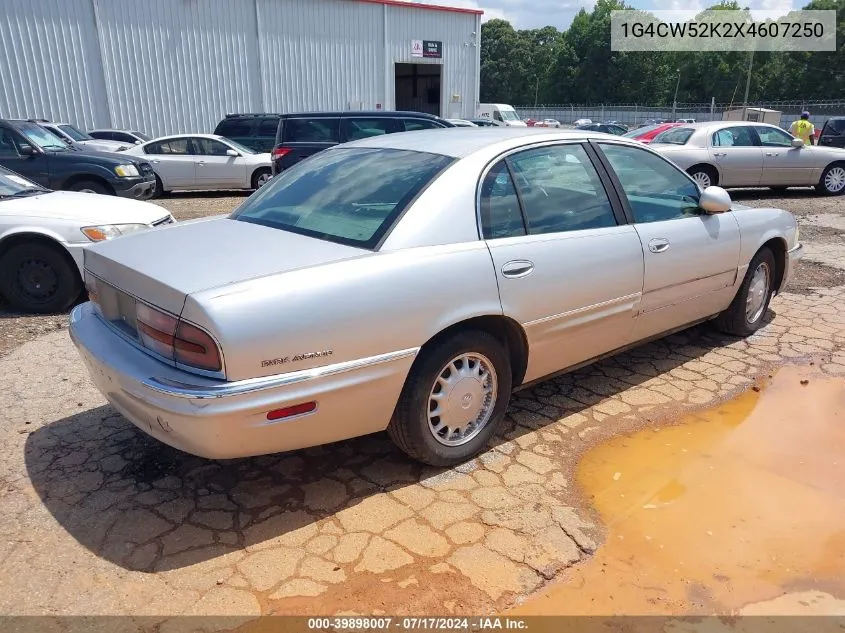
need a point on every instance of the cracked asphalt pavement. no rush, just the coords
(98, 518)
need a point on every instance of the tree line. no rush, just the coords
(547, 66)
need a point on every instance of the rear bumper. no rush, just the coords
(223, 420)
(134, 188)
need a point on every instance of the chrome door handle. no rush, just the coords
(658, 245)
(720, 153)
(772, 154)
(517, 268)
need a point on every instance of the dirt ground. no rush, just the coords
(97, 518)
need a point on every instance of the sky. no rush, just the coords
(531, 14)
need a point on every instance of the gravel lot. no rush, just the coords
(98, 518)
(16, 329)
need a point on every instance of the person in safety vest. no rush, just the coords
(803, 129)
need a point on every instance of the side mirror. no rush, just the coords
(231, 152)
(27, 150)
(714, 200)
(797, 143)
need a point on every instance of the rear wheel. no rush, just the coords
(703, 175)
(90, 186)
(261, 177)
(745, 314)
(38, 278)
(454, 399)
(832, 181)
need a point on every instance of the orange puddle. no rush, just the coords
(740, 509)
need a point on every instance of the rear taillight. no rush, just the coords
(169, 337)
(280, 152)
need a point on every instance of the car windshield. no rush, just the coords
(509, 115)
(14, 185)
(41, 137)
(674, 136)
(640, 131)
(141, 136)
(241, 148)
(75, 134)
(350, 195)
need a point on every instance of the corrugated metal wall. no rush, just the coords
(167, 66)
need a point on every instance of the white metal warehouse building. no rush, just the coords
(171, 66)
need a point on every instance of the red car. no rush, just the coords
(647, 133)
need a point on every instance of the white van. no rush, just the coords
(500, 114)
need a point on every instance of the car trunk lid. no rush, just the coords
(164, 266)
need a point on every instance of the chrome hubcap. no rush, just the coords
(263, 179)
(702, 178)
(758, 290)
(87, 191)
(462, 399)
(834, 181)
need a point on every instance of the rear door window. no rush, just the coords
(176, 146)
(268, 127)
(357, 128)
(318, 130)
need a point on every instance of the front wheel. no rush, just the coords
(745, 314)
(832, 182)
(90, 186)
(454, 399)
(38, 278)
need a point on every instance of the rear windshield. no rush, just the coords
(834, 127)
(348, 195)
(317, 130)
(75, 134)
(674, 136)
(141, 136)
(640, 130)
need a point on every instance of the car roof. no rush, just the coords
(341, 114)
(215, 137)
(460, 142)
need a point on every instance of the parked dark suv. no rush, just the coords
(302, 135)
(44, 158)
(833, 132)
(255, 131)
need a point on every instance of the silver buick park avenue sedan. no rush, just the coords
(410, 282)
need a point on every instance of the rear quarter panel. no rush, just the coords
(379, 303)
(759, 225)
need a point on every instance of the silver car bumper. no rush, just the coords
(793, 256)
(223, 420)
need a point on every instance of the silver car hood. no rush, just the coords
(162, 266)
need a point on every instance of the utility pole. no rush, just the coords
(747, 86)
(675, 100)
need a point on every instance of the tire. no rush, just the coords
(832, 181)
(736, 319)
(39, 278)
(412, 428)
(158, 190)
(90, 186)
(261, 177)
(704, 175)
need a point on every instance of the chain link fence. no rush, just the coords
(634, 115)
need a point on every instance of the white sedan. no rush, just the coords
(203, 162)
(43, 234)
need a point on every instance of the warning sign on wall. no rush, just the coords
(416, 48)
